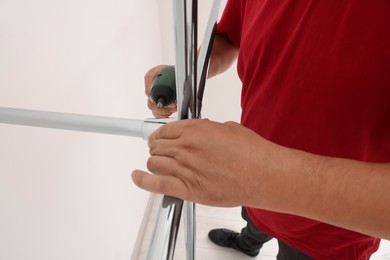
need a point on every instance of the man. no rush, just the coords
(315, 135)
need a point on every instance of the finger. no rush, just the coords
(172, 130)
(163, 147)
(153, 105)
(160, 112)
(168, 166)
(167, 185)
(162, 165)
(171, 106)
(157, 115)
(150, 76)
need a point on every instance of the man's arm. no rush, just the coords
(229, 165)
(346, 193)
(223, 55)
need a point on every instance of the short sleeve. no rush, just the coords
(231, 21)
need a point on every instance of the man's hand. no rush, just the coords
(205, 162)
(229, 165)
(149, 78)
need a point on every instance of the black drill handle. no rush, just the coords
(163, 91)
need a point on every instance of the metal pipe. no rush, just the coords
(190, 229)
(185, 31)
(190, 88)
(167, 225)
(76, 122)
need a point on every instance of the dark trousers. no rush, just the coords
(253, 238)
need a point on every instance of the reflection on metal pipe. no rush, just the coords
(165, 232)
(190, 229)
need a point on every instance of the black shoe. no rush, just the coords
(228, 238)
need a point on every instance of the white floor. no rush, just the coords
(209, 218)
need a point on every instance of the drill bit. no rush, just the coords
(160, 103)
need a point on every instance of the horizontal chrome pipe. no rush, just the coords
(77, 122)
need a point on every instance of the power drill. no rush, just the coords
(163, 91)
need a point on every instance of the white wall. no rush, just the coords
(68, 195)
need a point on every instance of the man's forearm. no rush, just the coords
(223, 55)
(345, 193)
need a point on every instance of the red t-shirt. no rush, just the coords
(316, 77)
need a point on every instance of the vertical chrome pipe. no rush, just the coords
(190, 229)
(185, 33)
(164, 237)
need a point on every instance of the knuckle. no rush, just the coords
(162, 131)
(231, 123)
(153, 146)
(150, 74)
